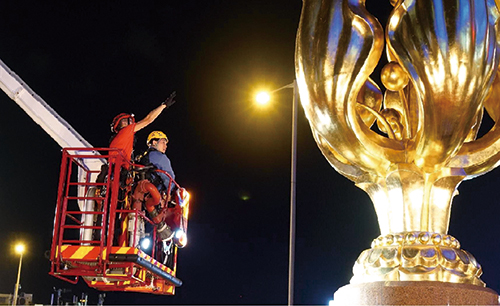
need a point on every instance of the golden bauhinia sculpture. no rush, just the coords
(441, 77)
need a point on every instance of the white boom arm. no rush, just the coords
(41, 112)
(46, 117)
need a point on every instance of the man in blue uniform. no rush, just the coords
(155, 155)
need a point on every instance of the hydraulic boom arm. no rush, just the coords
(46, 117)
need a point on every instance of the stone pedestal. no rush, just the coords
(414, 293)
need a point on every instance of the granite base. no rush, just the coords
(414, 293)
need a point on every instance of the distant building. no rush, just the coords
(22, 299)
(5, 299)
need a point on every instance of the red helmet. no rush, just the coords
(119, 118)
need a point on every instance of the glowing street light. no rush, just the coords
(260, 98)
(20, 248)
(263, 98)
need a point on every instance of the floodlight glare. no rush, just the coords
(145, 243)
(180, 238)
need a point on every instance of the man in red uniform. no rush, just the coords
(124, 127)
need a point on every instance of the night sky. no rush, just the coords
(92, 60)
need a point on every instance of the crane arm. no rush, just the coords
(60, 130)
(46, 117)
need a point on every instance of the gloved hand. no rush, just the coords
(170, 100)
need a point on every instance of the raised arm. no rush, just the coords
(149, 118)
(155, 113)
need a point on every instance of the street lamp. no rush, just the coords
(20, 250)
(263, 98)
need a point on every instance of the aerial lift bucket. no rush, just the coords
(96, 231)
